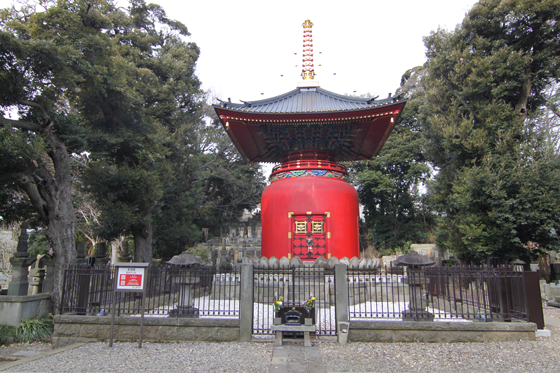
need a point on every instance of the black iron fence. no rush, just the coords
(441, 293)
(170, 291)
(293, 287)
(390, 293)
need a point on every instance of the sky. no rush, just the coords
(252, 49)
(247, 46)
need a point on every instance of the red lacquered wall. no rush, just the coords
(326, 208)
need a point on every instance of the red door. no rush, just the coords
(309, 236)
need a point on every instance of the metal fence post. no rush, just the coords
(533, 299)
(341, 291)
(246, 304)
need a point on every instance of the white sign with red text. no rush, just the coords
(131, 278)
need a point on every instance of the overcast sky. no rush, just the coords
(247, 45)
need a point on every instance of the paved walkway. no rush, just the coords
(292, 357)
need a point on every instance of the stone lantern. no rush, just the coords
(20, 261)
(186, 278)
(418, 304)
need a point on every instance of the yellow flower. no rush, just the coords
(312, 298)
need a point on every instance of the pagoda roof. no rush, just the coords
(354, 128)
(302, 100)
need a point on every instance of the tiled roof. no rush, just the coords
(352, 128)
(307, 100)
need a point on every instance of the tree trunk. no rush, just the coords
(61, 236)
(143, 244)
(49, 188)
(56, 191)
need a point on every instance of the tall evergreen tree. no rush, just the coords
(389, 185)
(147, 99)
(40, 77)
(210, 183)
(497, 184)
(88, 75)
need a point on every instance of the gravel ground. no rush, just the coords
(22, 350)
(542, 355)
(539, 356)
(156, 357)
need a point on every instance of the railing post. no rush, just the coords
(341, 295)
(246, 304)
(533, 301)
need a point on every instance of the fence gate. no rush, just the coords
(295, 285)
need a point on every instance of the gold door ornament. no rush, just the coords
(301, 227)
(317, 227)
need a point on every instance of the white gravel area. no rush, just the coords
(156, 357)
(552, 312)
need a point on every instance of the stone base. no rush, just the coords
(70, 329)
(440, 332)
(187, 312)
(543, 333)
(14, 309)
(18, 288)
(281, 329)
(417, 316)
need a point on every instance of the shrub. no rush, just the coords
(33, 329)
(7, 334)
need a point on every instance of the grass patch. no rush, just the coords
(29, 330)
(7, 335)
(32, 329)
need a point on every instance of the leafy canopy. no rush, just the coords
(497, 182)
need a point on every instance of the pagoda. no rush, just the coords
(309, 210)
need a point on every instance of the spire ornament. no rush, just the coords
(307, 71)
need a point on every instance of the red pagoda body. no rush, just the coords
(310, 198)
(309, 210)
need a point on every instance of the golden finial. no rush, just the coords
(307, 71)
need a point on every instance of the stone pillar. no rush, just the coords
(81, 250)
(20, 261)
(125, 253)
(101, 253)
(37, 276)
(48, 283)
(246, 304)
(341, 291)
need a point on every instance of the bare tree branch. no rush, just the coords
(46, 116)
(553, 110)
(24, 179)
(23, 124)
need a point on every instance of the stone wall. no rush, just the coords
(70, 329)
(14, 309)
(440, 332)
